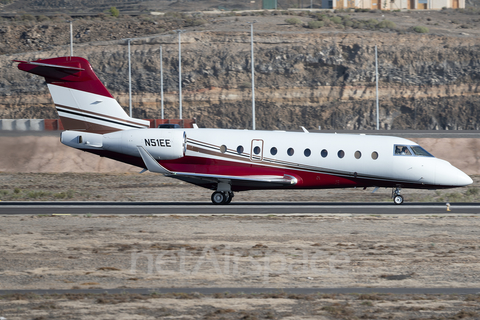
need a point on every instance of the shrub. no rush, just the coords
(472, 191)
(114, 12)
(420, 29)
(293, 21)
(28, 17)
(42, 18)
(195, 22)
(336, 20)
(386, 24)
(315, 24)
(372, 23)
(348, 23)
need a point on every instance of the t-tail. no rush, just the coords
(82, 101)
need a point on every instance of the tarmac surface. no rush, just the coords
(249, 208)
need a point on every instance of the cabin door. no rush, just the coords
(256, 151)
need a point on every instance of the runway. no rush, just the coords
(246, 208)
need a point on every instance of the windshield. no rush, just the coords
(419, 151)
(405, 150)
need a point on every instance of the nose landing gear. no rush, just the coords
(397, 197)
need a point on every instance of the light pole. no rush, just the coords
(180, 71)
(161, 78)
(71, 39)
(129, 79)
(376, 84)
(253, 76)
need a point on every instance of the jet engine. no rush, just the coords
(162, 144)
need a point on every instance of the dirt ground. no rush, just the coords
(72, 252)
(155, 187)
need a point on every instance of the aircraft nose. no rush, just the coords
(464, 179)
(448, 175)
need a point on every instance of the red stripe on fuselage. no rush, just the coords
(306, 179)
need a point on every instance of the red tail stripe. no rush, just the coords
(69, 72)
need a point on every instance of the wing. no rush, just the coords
(207, 179)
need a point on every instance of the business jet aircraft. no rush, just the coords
(227, 160)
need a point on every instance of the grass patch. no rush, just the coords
(293, 21)
(38, 194)
(315, 24)
(420, 29)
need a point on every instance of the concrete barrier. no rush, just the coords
(22, 124)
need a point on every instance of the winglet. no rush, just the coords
(150, 162)
(304, 130)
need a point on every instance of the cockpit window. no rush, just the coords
(402, 150)
(419, 151)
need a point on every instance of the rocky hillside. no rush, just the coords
(311, 77)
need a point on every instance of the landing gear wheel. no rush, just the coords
(398, 199)
(229, 197)
(219, 197)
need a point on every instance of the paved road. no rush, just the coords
(258, 290)
(206, 208)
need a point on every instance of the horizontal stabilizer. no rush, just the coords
(50, 65)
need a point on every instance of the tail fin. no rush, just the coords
(82, 101)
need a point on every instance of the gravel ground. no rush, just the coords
(71, 252)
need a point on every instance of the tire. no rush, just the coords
(398, 199)
(219, 197)
(229, 198)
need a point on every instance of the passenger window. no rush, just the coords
(374, 155)
(290, 151)
(401, 150)
(358, 154)
(239, 149)
(341, 154)
(273, 151)
(223, 149)
(256, 150)
(307, 152)
(324, 153)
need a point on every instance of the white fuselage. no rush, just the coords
(317, 160)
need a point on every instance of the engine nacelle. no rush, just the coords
(162, 144)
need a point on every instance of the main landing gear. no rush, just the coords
(397, 197)
(222, 197)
